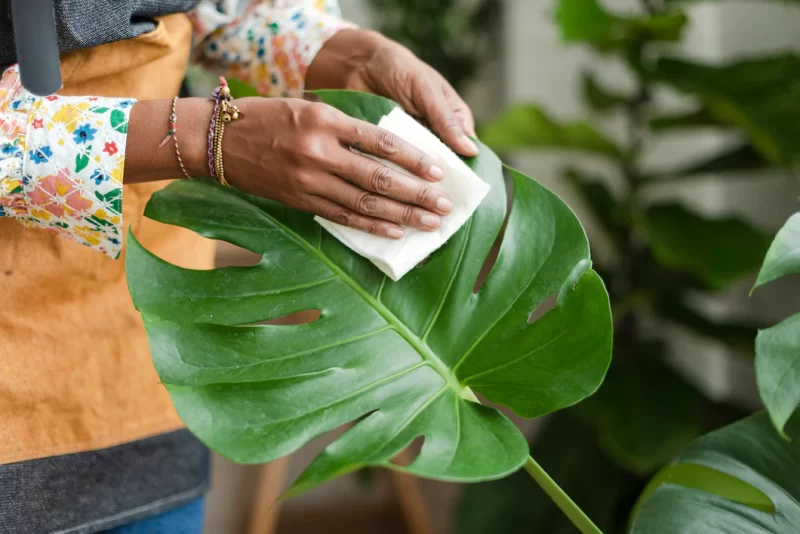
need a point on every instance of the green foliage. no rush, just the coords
(778, 348)
(633, 396)
(783, 257)
(761, 96)
(666, 254)
(598, 97)
(402, 359)
(528, 126)
(719, 251)
(453, 37)
(514, 505)
(740, 158)
(587, 21)
(742, 479)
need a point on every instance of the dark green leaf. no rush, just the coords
(742, 479)
(778, 348)
(599, 198)
(600, 98)
(401, 358)
(702, 118)
(98, 110)
(515, 505)
(717, 250)
(735, 334)
(778, 369)
(783, 257)
(526, 126)
(741, 158)
(587, 21)
(119, 121)
(368, 108)
(645, 413)
(761, 96)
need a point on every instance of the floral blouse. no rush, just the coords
(62, 158)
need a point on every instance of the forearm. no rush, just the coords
(148, 124)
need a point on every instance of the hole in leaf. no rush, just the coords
(708, 479)
(546, 305)
(410, 453)
(229, 255)
(491, 258)
(301, 317)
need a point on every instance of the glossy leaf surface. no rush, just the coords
(399, 359)
(778, 348)
(741, 479)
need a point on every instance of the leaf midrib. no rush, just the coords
(427, 354)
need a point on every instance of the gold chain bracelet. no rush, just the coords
(226, 112)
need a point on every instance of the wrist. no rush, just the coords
(343, 56)
(194, 118)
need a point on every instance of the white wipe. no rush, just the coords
(396, 257)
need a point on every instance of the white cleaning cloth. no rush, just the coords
(396, 257)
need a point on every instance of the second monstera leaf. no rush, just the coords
(402, 359)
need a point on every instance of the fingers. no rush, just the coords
(373, 205)
(431, 100)
(346, 217)
(370, 139)
(460, 109)
(370, 175)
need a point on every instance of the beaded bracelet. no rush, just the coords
(173, 132)
(224, 112)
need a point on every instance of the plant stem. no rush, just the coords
(562, 500)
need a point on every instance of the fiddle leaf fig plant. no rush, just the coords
(402, 359)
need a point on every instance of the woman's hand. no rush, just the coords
(298, 153)
(366, 61)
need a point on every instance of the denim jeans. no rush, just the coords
(186, 519)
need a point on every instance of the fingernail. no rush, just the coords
(395, 232)
(431, 221)
(469, 144)
(443, 204)
(436, 172)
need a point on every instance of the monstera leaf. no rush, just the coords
(778, 348)
(741, 479)
(399, 360)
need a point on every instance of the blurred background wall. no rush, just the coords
(530, 63)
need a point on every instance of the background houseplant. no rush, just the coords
(663, 254)
(602, 454)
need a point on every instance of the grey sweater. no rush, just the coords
(88, 23)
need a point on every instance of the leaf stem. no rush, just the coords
(562, 500)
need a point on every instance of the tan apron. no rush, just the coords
(75, 369)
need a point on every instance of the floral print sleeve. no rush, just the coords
(61, 163)
(269, 44)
